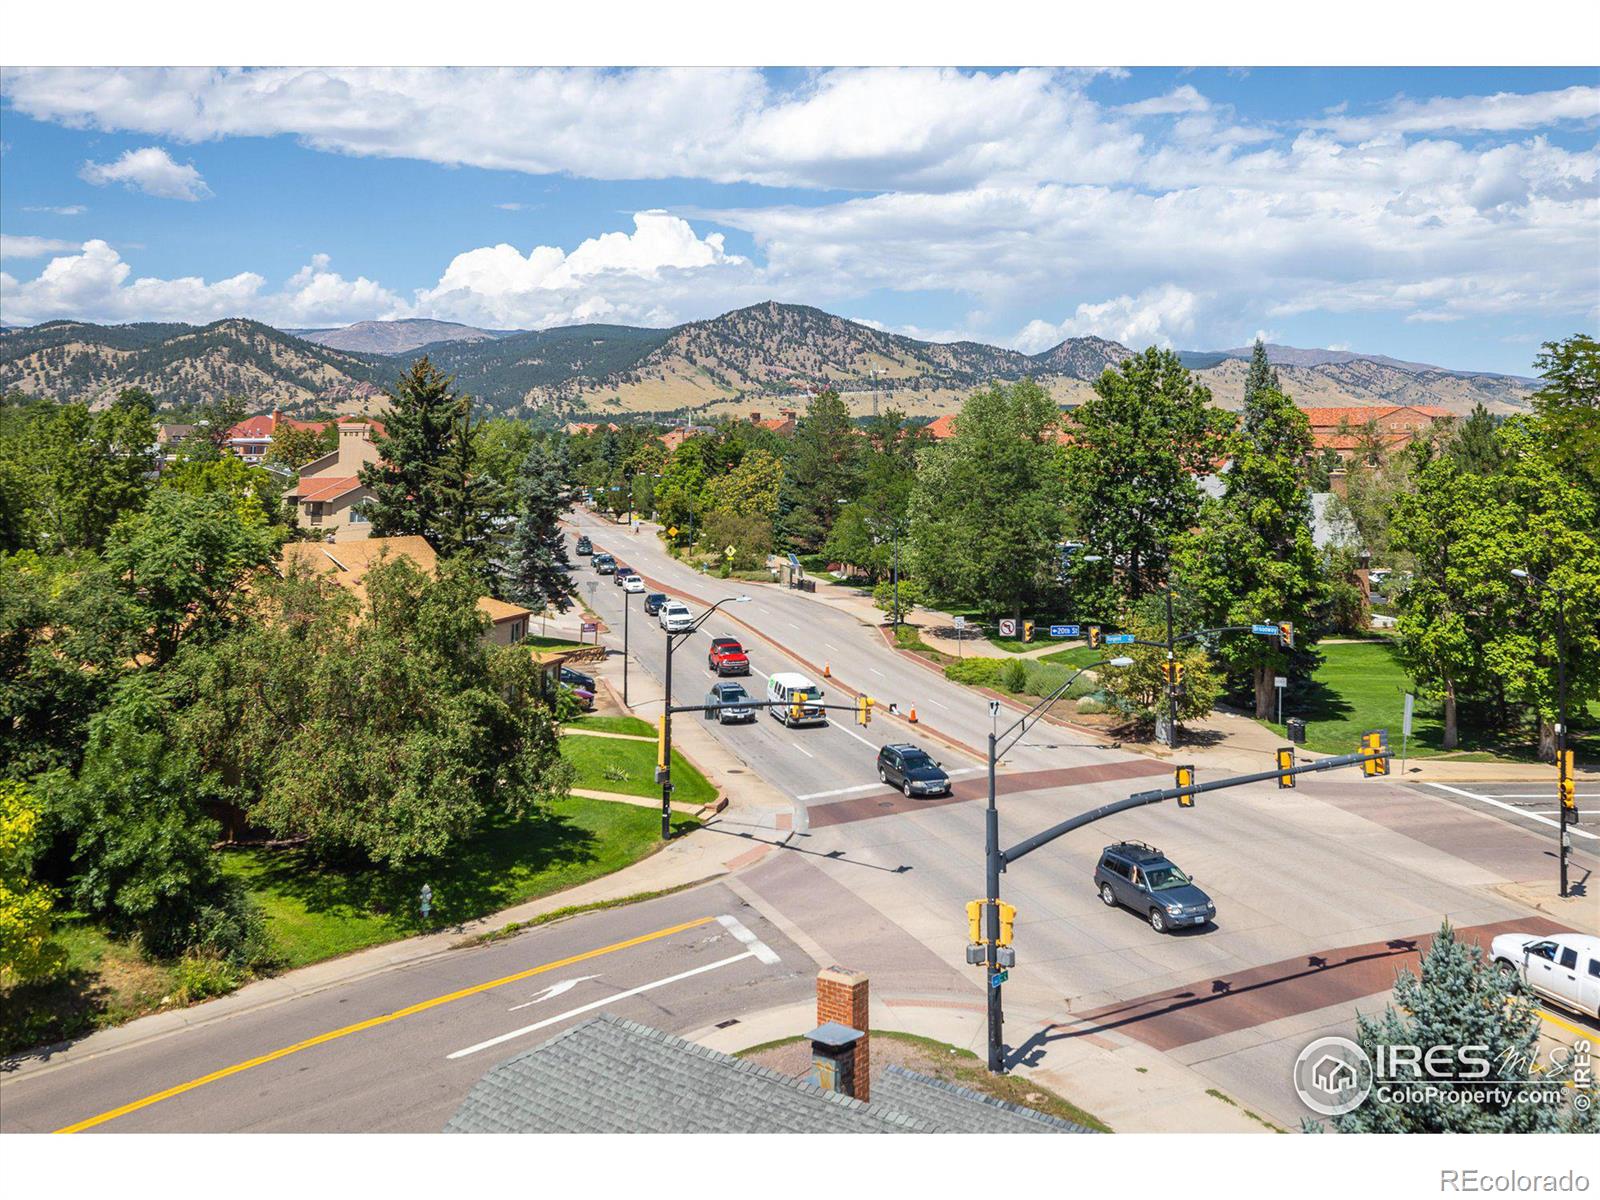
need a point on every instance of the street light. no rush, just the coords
(1561, 707)
(626, 609)
(991, 856)
(664, 772)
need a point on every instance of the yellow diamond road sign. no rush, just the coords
(673, 532)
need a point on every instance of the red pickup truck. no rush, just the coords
(727, 657)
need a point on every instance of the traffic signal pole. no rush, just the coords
(991, 877)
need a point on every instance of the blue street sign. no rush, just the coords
(1063, 631)
(1120, 639)
(998, 978)
(1269, 630)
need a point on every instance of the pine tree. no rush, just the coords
(1459, 1000)
(820, 474)
(418, 421)
(1262, 376)
(466, 497)
(538, 576)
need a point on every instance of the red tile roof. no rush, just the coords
(1413, 415)
(323, 488)
(941, 428)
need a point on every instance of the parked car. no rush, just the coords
(732, 703)
(653, 602)
(604, 564)
(622, 571)
(577, 679)
(584, 696)
(675, 616)
(787, 689)
(727, 657)
(632, 583)
(912, 769)
(585, 546)
(1142, 878)
(1563, 968)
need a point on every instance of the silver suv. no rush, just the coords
(1142, 878)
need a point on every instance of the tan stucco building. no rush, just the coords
(330, 488)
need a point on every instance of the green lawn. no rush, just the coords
(603, 724)
(611, 765)
(1362, 686)
(314, 913)
(535, 642)
(1080, 656)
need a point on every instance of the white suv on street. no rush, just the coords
(1563, 967)
(675, 616)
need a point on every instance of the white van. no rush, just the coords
(786, 689)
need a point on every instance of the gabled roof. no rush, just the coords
(1357, 415)
(611, 1075)
(943, 427)
(323, 487)
(348, 563)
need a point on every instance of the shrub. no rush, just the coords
(912, 595)
(1014, 675)
(200, 976)
(975, 672)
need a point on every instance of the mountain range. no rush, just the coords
(773, 354)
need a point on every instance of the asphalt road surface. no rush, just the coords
(397, 1052)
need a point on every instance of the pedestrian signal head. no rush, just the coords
(1376, 752)
(1183, 777)
(1286, 763)
(975, 921)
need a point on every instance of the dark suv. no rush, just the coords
(585, 546)
(1142, 878)
(604, 564)
(653, 602)
(910, 769)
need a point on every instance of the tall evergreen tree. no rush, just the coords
(1569, 405)
(820, 473)
(467, 499)
(1261, 376)
(1473, 445)
(422, 410)
(539, 562)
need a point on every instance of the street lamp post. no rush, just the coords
(993, 863)
(626, 608)
(664, 773)
(1561, 707)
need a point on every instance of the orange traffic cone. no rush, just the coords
(913, 717)
(826, 674)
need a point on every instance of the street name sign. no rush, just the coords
(998, 978)
(1063, 631)
(1120, 639)
(1267, 630)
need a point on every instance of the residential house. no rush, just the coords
(1347, 429)
(680, 434)
(348, 562)
(783, 424)
(329, 490)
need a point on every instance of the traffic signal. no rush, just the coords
(1377, 753)
(795, 710)
(1286, 634)
(864, 710)
(1172, 672)
(975, 921)
(1094, 637)
(661, 742)
(1008, 916)
(1286, 763)
(1183, 777)
(1567, 788)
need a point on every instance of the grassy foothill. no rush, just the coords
(613, 765)
(1362, 685)
(314, 912)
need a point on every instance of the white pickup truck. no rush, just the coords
(1563, 968)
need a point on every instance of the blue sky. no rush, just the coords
(1446, 215)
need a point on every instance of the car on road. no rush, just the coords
(633, 584)
(1142, 878)
(913, 770)
(732, 703)
(622, 571)
(604, 564)
(653, 602)
(727, 657)
(577, 679)
(1563, 968)
(790, 691)
(585, 546)
(675, 616)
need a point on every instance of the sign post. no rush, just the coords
(1280, 682)
(961, 633)
(1405, 734)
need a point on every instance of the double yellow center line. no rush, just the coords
(373, 1023)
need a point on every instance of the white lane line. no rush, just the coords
(792, 626)
(1545, 795)
(847, 791)
(802, 749)
(1512, 808)
(876, 672)
(763, 952)
(935, 703)
(761, 673)
(1582, 812)
(854, 734)
(575, 1012)
(831, 646)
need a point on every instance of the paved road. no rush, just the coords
(399, 1051)
(1532, 807)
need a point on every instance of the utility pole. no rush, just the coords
(1565, 784)
(1172, 678)
(895, 534)
(625, 608)
(991, 876)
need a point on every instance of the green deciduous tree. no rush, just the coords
(820, 473)
(749, 489)
(293, 446)
(986, 512)
(1569, 406)
(539, 575)
(1140, 690)
(26, 951)
(420, 422)
(1137, 446)
(254, 492)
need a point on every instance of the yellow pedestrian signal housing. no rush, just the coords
(975, 921)
(661, 742)
(1183, 777)
(864, 710)
(1373, 746)
(1286, 763)
(1173, 673)
(1027, 631)
(1008, 916)
(796, 712)
(1286, 634)
(1094, 637)
(1567, 787)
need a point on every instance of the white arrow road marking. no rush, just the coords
(1511, 808)
(554, 990)
(648, 987)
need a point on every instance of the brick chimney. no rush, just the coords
(842, 1002)
(755, 417)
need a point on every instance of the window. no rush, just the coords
(1116, 866)
(357, 517)
(1594, 967)
(1543, 950)
(1569, 958)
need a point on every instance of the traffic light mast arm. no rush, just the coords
(1143, 798)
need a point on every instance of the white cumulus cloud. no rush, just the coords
(150, 170)
(14, 245)
(1158, 316)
